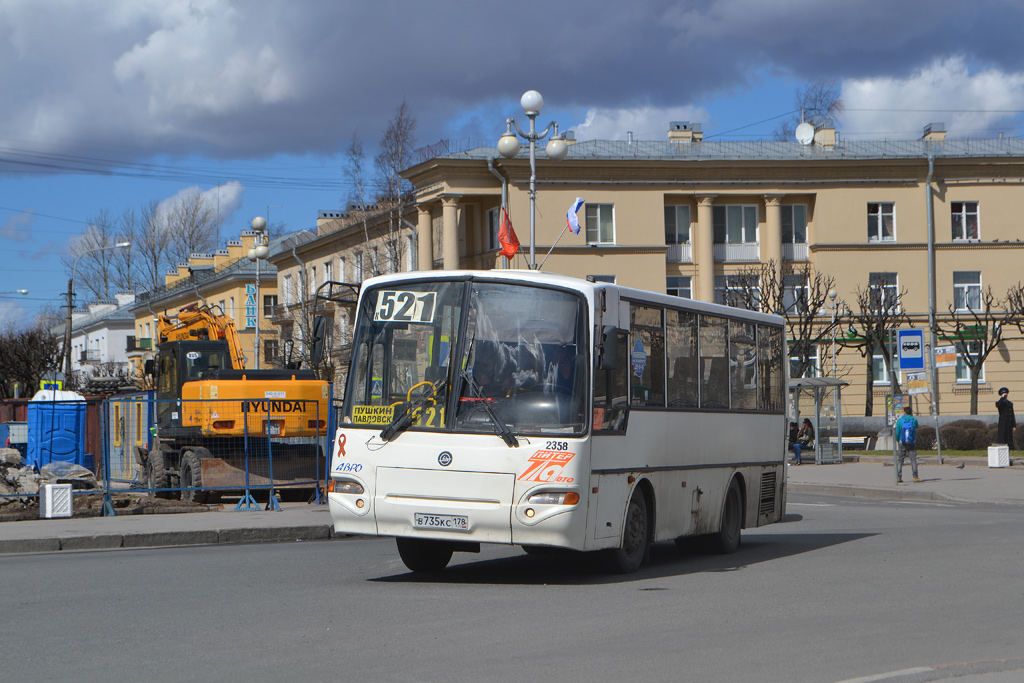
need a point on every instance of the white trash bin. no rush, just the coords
(998, 456)
(55, 501)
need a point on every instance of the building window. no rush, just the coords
(881, 221)
(679, 286)
(342, 270)
(288, 290)
(963, 372)
(231, 307)
(812, 369)
(738, 291)
(879, 367)
(794, 292)
(328, 271)
(312, 278)
(794, 223)
(965, 220)
(375, 262)
(677, 224)
(270, 350)
(269, 302)
(734, 224)
(357, 266)
(883, 291)
(600, 224)
(491, 229)
(967, 290)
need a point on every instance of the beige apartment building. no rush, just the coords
(687, 216)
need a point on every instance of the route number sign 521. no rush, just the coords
(405, 307)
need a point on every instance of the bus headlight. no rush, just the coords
(344, 486)
(554, 498)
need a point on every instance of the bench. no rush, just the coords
(854, 441)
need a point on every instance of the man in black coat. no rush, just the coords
(1007, 421)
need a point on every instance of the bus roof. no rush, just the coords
(585, 286)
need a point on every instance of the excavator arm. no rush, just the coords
(202, 322)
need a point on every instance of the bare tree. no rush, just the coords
(151, 242)
(193, 226)
(395, 193)
(978, 330)
(820, 98)
(25, 357)
(798, 295)
(872, 327)
(97, 267)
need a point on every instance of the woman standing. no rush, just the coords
(1007, 421)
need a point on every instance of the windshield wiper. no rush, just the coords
(402, 421)
(502, 429)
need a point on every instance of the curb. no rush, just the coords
(850, 491)
(165, 539)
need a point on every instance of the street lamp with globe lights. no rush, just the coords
(23, 292)
(556, 149)
(71, 292)
(259, 251)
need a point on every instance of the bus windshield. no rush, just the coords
(469, 356)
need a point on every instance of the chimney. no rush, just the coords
(934, 132)
(684, 131)
(824, 132)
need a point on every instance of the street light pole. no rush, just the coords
(70, 294)
(556, 149)
(258, 251)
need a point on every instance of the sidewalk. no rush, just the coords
(873, 477)
(870, 477)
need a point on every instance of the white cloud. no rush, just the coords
(225, 199)
(945, 91)
(646, 123)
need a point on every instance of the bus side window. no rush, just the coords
(611, 391)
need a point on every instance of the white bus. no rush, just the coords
(532, 409)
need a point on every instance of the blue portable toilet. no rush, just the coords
(56, 428)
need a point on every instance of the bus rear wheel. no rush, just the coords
(727, 540)
(635, 548)
(424, 556)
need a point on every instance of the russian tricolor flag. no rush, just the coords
(571, 219)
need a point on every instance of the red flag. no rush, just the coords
(507, 237)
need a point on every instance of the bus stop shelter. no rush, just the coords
(820, 399)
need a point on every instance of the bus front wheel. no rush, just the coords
(424, 556)
(727, 540)
(633, 551)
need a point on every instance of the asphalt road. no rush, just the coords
(847, 589)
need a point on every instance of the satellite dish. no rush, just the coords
(805, 133)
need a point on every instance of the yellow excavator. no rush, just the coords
(221, 427)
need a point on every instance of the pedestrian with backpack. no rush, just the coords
(906, 435)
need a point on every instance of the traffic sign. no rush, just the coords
(911, 349)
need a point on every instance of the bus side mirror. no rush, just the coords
(150, 367)
(609, 351)
(319, 338)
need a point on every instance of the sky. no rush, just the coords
(111, 105)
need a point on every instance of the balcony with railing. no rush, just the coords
(679, 253)
(89, 356)
(138, 345)
(795, 252)
(744, 252)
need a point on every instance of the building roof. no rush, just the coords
(767, 150)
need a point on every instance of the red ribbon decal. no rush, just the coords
(341, 444)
